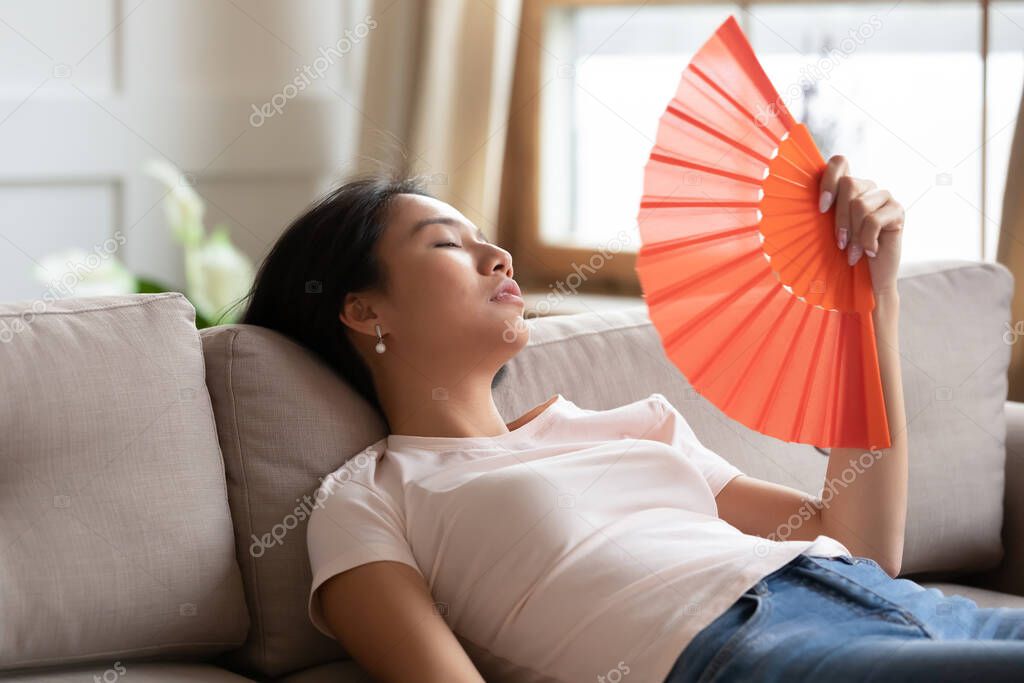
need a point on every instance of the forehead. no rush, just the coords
(410, 208)
(412, 212)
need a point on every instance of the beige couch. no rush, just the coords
(154, 480)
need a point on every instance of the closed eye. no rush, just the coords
(446, 244)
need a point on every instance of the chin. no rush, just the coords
(514, 332)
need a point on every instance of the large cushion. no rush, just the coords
(285, 421)
(955, 354)
(115, 533)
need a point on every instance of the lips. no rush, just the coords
(508, 290)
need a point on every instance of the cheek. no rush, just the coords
(441, 290)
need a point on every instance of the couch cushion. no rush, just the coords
(115, 533)
(136, 672)
(955, 360)
(285, 421)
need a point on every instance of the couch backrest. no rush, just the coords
(115, 534)
(285, 421)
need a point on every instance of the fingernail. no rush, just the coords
(825, 202)
(869, 253)
(853, 253)
(842, 238)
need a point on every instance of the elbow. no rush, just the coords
(891, 562)
(892, 567)
(895, 563)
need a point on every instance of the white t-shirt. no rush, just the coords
(581, 543)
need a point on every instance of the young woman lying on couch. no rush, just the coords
(579, 545)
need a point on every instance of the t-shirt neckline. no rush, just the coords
(453, 442)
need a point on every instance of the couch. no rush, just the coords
(155, 478)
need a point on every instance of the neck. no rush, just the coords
(423, 408)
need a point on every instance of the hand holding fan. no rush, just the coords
(752, 299)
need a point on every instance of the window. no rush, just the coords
(921, 97)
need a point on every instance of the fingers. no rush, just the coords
(862, 210)
(867, 222)
(848, 230)
(889, 216)
(837, 167)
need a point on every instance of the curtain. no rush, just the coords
(1011, 251)
(438, 83)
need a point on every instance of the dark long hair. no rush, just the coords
(325, 253)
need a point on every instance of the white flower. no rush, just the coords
(218, 275)
(75, 272)
(183, 206)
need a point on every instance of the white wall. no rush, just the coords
(92, 89)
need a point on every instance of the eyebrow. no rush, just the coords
(444, 220)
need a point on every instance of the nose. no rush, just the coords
(502, 261)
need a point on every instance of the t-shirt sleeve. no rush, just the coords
(353, 525)
(676, 431)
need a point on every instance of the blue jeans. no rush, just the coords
(842, 619)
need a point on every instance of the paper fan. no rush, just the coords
(752, 299)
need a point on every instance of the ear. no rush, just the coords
(357, 314)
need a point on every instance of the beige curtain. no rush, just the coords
(1011, 250)
(436, 95)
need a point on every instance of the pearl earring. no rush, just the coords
(379, 348)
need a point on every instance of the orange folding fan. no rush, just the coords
(753, 300)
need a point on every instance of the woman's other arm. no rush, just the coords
(383, 614)
(866, 501)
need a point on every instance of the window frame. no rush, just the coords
(519, 223)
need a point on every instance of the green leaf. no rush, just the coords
(202, 322)
(149, 286)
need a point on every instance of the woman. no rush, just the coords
(575, 544)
